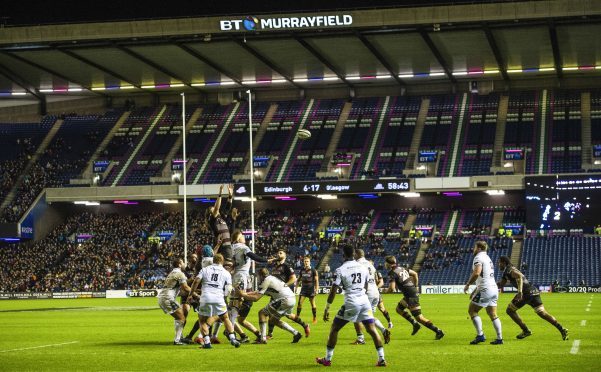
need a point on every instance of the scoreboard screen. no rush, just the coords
(324, 187)
(563, 202)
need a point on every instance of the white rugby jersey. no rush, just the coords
(206, 261)
(275, 288)
(351, 278)
(241, 262)
(486, 279)
(172, 283)
(372, 285)
(216, 282)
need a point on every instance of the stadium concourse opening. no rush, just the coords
(163, 169)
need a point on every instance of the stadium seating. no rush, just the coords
(450, 261)
(563, 258)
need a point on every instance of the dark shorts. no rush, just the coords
(226, 251)
(245, 308)
(410, 296)
(307, 292)
(532, 300)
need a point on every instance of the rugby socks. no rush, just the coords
(431, 326)
(497, 324)
(478, 325)
(195, 328)
(314, 311)
(380, 351)
(285, 326)
(405, 314)
(216, 328)
(360, 337)
(270, 329)
(380, 325)
(207, 340)
(232, 336)
(299, 321)
(179, 329)
(233, 314)
(263, 334)
(386, 315)
(329, 353)
(298, 310)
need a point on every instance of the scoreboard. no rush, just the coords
(324, 187)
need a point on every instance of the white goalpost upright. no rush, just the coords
(252, 172)
(185, 164)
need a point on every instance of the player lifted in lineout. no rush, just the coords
(352, 278)
(527, 295)
(309, 284)
(407, 282)
(281, 304)
(485, 295)
(216, 284)
(174, 282)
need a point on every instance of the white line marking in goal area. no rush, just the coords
(39, 347)
(583, 323)
(575, 347)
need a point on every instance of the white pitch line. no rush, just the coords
(583, 323)
(575, 347)
(587, 309)
(39, 347)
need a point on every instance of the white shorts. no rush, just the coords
(168, 305)
(485, 297)
(281, 307)
(241, 280)
(357, 310)
(210, 308)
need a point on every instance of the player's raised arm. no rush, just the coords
(217, 206)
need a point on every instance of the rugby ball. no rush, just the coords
(303, 134)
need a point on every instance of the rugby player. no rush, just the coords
(218, 225)
(485, 295)
(407, 282)
(174, 282)
(309, 284)
(527, 295)
(242, 262)
(281, 304)
(284, 272)
(207, 259)
(352, 278)
(373, 293)
(216, 284)
(381, 307)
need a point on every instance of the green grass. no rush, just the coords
(134, 334)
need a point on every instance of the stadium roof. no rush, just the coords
(379, 47)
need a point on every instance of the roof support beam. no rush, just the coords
(437, 55)
(376, 53)
(556, 51)
(97, 66)
(29, 88)
(266, 61)
(492, 43)
(322, 59)
(51, 72)
(156, 66)
(208, 62)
